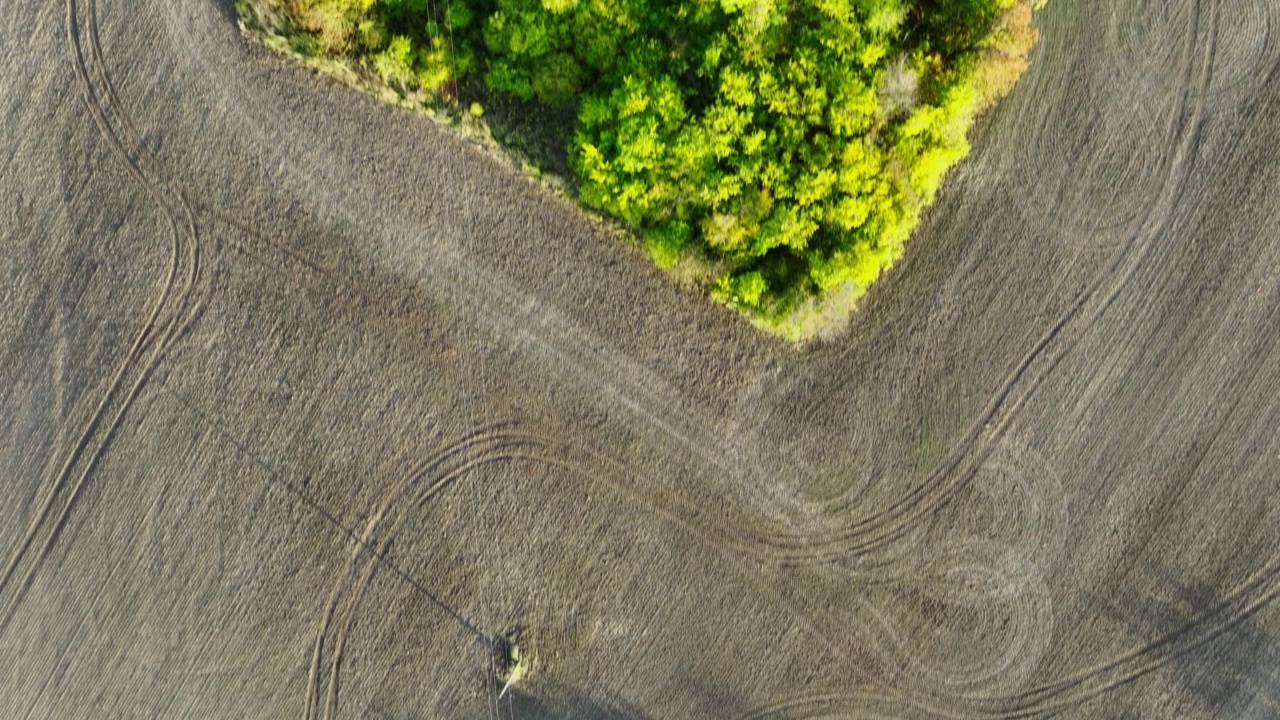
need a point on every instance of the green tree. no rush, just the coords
(791, 145)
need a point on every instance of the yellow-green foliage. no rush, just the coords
(1005, 55)
(334, 23)
(789, 145)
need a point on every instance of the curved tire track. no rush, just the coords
(1257, 592)
(489, 444)
(175, 309)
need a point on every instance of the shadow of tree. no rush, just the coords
(1235, 674)
(553, 700)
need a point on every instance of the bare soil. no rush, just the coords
(300, 421)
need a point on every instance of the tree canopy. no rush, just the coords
(788, 146)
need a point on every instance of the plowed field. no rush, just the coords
(298, 419)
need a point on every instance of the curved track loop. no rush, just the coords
(1063, 696)
(562, 450)
(176, 307)
(1006, 597)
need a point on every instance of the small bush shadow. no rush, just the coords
(561, 702)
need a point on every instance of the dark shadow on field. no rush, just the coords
(1233, 675)
(228, 9)
(549, 700)
(546, 699)
(538, 134)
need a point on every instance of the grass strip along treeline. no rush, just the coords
(781, 150)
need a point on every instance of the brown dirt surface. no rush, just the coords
(299, 419)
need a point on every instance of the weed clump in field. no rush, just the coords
(784, 150)
(511, 660)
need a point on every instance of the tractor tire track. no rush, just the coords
(1254, 594)
(1258, 591)
(494, 444)
(173, 311)
(489, 444)
(857, 706)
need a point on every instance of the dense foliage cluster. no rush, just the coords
(787, 145)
